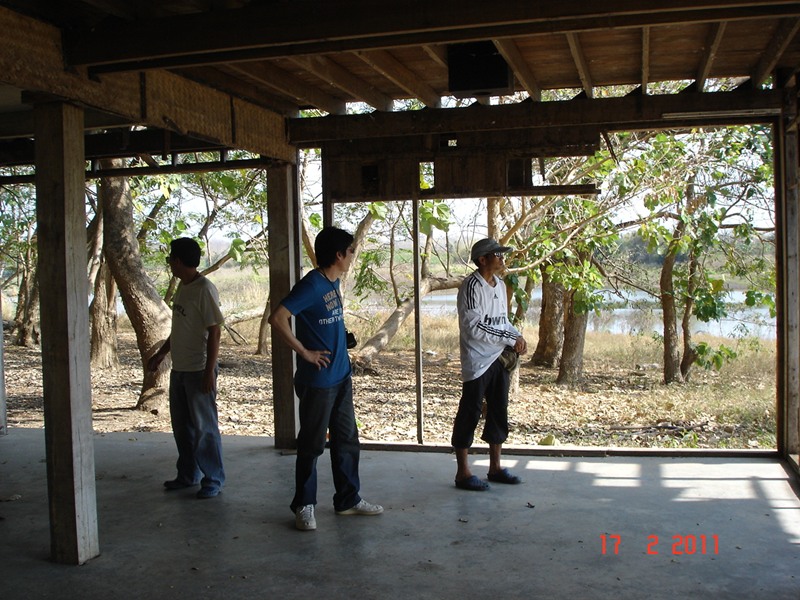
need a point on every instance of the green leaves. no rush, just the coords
(237, 249)
(754, 298)
(379, 210)
(434, 214)
(713, 358)
(709, 305)
(368, 278)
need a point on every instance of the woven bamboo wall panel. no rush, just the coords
(259, 130)
(31, 59)
(177, 103)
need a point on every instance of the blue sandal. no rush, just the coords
(503, 476)
(472, 484)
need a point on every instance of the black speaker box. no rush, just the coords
(478, 69)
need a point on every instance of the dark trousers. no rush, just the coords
(493, 385)
(325, 410)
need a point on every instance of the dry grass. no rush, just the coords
(621, 401)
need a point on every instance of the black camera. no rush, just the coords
(351, 339)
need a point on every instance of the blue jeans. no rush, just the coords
(492, 385)
(196, 430)
(325, 410)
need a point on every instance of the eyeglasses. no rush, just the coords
(496, 254)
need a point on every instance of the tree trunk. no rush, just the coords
(493, 217)
(373, 346)
(570, 371)
(522, 308)
(148, 314)
(27, 314)
(359, 237)
(689, 352)
(263, 346)
(103, 311)
(672, 356)
(551, 324)
(103, 350)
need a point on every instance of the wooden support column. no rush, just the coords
(284, 272)
(418, 323)
(787, 197)
(3, 411)
(64, 289)
(327, 200)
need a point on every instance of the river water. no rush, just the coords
(642, 316)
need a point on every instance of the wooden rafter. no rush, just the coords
(332, 73)
(712, 46)
(777, 46)
(224, 78)
(581, 64)
(645, 58)
(521, 70)
(393, 69)
(276, 78)
(437, 53)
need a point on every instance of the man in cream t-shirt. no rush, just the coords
(194, 346)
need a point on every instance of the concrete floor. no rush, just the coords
(542, 539)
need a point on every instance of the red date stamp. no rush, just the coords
(677, 545)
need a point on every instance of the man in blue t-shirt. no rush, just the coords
(323, 381)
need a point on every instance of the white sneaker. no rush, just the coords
(304, 518)
(362, 508)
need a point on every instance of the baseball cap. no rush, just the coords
(486, 246)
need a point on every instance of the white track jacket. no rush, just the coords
(484, 328)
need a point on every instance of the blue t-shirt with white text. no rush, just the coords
(319, 325)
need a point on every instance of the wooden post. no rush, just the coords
(284, 271)
(327, 200)
(418, 323)
(788, 259)
(64, 290)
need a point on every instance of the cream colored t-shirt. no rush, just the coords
(195, 308)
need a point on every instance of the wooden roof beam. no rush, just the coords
(336, 75)
(290, 85)
(581, 64)
(613, 114)
(777, 46)
(305, 27)
(193, 167)
(395, 71)
(510, 52)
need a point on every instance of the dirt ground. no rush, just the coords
(609, 408)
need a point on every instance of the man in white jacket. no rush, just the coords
(484, 332)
